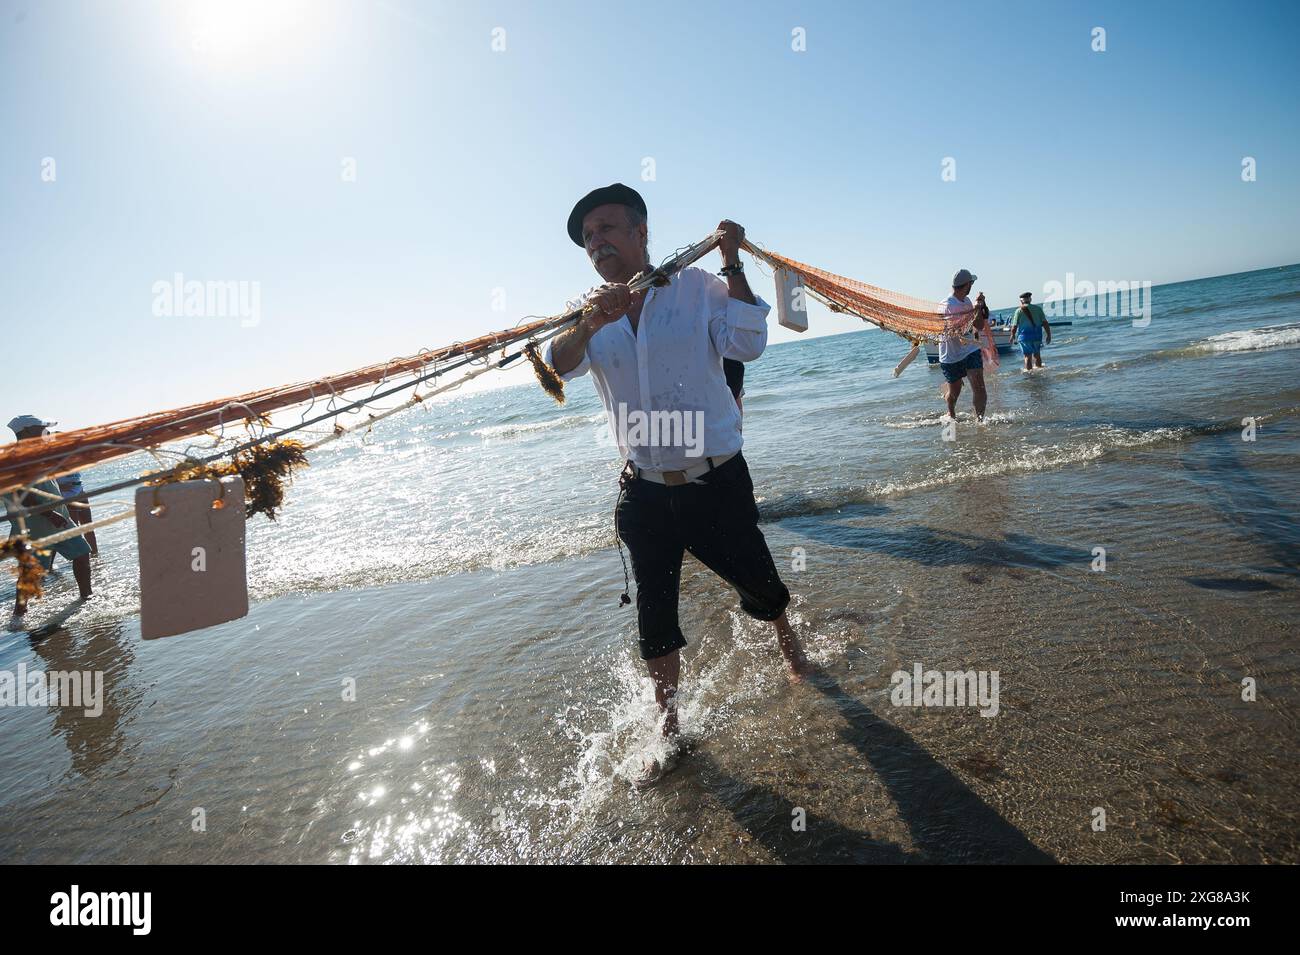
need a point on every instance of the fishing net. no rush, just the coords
(24, 462)
(918, 320)
(37, 458)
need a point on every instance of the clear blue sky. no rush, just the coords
(209, 138)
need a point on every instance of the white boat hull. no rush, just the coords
(1001, 338)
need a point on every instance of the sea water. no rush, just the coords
(436, 667)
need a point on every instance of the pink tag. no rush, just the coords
(192, 572)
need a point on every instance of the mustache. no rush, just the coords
(603, 252)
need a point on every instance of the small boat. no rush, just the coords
(1001, 338)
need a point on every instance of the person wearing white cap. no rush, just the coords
(960, 359)
(75, 549)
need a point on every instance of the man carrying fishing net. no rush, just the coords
(959, 356)
(657, 355)
(28, 427)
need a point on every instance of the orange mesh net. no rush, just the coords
(30, 460)
(34, 459)
(916, 319)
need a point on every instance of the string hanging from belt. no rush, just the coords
(624, 482)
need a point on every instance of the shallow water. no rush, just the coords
(458, 566)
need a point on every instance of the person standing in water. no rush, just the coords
(960, 359)
(660, 352)
(75, 549)
(78, 505)
(1028, 326)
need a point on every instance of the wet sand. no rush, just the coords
(497, 712)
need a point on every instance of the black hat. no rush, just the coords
(1025, 295)
(617, 194)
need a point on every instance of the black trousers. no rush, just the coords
(718, 523)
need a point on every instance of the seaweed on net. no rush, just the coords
(264, 468)
(550, 381)
(28, 569)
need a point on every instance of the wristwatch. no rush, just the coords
(736, 269)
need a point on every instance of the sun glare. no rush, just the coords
(253, 31)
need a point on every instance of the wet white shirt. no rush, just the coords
(663, 386)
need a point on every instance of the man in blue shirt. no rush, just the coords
(1028, 327)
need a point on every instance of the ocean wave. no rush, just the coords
(513, 430)
(1196, 308)
(1251, 339)
(1246, 339)
(933, 419)
(1105, 440)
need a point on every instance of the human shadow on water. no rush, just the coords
(770, 818)
(799, 504)
(1244, 499)
(948, 822)
(946, 548)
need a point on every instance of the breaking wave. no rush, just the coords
(1252, 339)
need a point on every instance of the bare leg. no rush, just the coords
(81, 570)
(664, 671)
(795, 661)
(1029, 363)
(1038, 359)
(951, 391)
(978, 393)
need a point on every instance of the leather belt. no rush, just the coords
(675, 478)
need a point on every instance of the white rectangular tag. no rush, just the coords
(192, 570)
(791, 301)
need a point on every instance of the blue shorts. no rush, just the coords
(69, 550)
(956, 370)
(1031, 348)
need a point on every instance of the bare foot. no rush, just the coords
(652, 770)
(797, 666)
(655, 768)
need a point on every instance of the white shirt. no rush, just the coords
(667, 376)
(950, 347)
